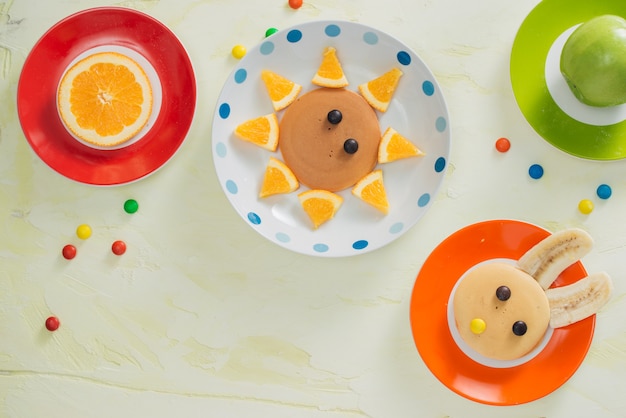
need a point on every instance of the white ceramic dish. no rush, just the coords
(417, 110)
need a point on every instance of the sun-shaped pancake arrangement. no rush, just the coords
(329, 138)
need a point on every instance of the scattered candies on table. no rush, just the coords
(131, 206)
(118, 247)
(52, 323)
(239, 51)
(604, 191)
(295, 4)
(503, 144)
(535, 171)
(585, 206)
(270, 32)
(83, 231)
(69, 252)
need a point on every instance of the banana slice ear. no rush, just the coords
(548, 258)
(577, 301)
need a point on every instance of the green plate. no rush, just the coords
(545, 23)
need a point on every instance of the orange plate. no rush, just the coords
(507, 386)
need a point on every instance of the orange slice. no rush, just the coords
(330, 73)
(320, 205)
(394, 146)
(282, 91)
(261, 131)
(105, 99)
(379, 91)
(371, 189)
(278, 178)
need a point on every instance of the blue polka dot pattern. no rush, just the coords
(267, 48)
(220, 150)
(294, 36)
(254, 218)
(440, 164)
(231, 186)
(370, 38)
(241, 75)
(224, 110)
(425, 198)
(332, 30)
(404, 58)
(396, 228)
(360, 244)
(441, 124)
(428, 88)
(282, 237)
(320, 248)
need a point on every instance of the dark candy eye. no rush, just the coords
(350, 146)
(334, 116)
(503, 293)
(519, 328)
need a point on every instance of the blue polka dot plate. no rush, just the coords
(417, 110)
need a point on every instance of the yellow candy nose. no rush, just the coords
(477, 326)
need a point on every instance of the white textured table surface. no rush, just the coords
(204, 317)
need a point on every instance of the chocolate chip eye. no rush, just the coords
(350, 146)
(503, 293)
(334, 116)
(520, 328)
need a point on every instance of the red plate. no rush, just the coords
(532, 380)
(44, 66)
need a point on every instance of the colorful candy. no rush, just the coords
(239, 51)
(604, 191)
(118, 247)
(295, 4)
(270, 32)
(478, 326)
(520, 328)
(83, 231)
(535, 171)
(131, 206)
(503, 293)
(69, 252)
(52, 323)
(503, 144)
(585, 206)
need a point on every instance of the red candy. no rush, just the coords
(295, 4)
(118, 247)
(503, 144)
(69, 252)
(52, 323)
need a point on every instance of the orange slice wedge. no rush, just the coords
(105, 99)
(278, 178)
(330, 73)
(371, 190)
(379, 91)
(320, 205)
(282, 91)
(394, 146)
(261, 131)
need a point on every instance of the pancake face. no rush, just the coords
(313, 147)
(475, 298)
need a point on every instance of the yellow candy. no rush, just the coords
(239, 51)
(477, 326)
(83, 231)
(585, 206)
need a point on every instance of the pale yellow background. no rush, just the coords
(203, 317)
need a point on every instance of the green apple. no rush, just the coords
(593, 61)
